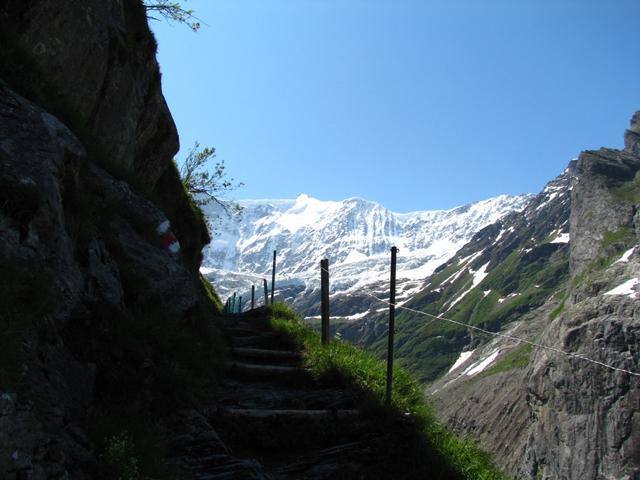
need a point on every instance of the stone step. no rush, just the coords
(247, 318)
(330, 457)
(231, 469)
(251, 352)
(248, 395)
(267, 340)
(288, 414)
(239, 331)
(255, 370)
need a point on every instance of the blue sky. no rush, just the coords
(416, 104)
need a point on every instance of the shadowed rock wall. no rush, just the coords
(96, 315)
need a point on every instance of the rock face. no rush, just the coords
(598, 174)
(632, 136)
(585, 421)
(545, 414)
(94, 306)
(98, 59)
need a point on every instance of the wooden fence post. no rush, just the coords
(266, 295)
(324, 297)
(233, 303)
(273, 277)
(240, 304)
(253, 297)
(392, 326)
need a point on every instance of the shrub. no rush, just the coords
(119, 459)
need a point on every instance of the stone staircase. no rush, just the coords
(270, 419)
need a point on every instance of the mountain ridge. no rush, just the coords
(355, 234)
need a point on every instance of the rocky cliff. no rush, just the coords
(103, 318)
(566, 274)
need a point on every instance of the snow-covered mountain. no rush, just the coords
(354, 234)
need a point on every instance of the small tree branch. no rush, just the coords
(172, 12)
(205, 186)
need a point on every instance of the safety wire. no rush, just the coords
(502, 335)
(510, 337)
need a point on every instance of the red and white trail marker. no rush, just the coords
(167, 237)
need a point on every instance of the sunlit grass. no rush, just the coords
(345, 364)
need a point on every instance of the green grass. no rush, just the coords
(516, 358)
(344, 364)
(613, 243)
(556, 311)
(430, 348)
(619, 238)
(119, 459)
(130, 446)
(211, 293)
(628, 192)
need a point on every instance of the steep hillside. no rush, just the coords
(354, 234)
(561, 274)
(102, 326)
(505, 270)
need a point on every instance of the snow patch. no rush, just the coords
(355, 316)
(547, 200)
(562, 238)
(471, 257)
(481, 365)
(552, 188)
(486, 292)
(355, 257)
(625, 289)
(453, 277)
(464, 356)
(626, 255)
(478, 276)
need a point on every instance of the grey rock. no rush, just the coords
(91, 105)
(103, 278)
(561, 416)
(7, 405)
(595, 209)
(632, 136)
(109, 79)
(56, 203)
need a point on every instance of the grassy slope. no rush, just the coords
(523, 280)
(434, 451)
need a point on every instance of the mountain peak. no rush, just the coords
(355, 234)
